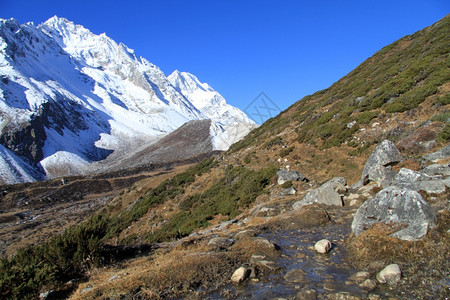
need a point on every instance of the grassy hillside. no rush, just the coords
(390, 95)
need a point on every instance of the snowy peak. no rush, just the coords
(209, 101)
(188, 82)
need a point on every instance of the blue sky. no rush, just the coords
(286, 49)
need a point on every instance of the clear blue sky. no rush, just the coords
(287, 49)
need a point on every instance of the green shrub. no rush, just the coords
(168, 189)
(444, 135)
(367, 116)
(444, 118)
(287, 184)
(285, 152)
(65, 256)
(275, 141)
(236, 190)
(443, 100)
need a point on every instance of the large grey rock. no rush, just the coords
(418, 181)
(325, 194)
(285, 175)
(436, 169)
(335, 183)
(440, 154)
(399, 206)
(378, 166)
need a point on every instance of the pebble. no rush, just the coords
(295, 275)
(306, 294)
(360, 276)
(369, 284)
(323, 246)
(391, 274)
(240, 274)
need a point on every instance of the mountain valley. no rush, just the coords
(344, 195)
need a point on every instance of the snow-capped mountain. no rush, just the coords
(229, 125)
(69, 97)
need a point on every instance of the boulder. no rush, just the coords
(323, 246)
(288, 191)
(440, 154)
(286, 175)
(436, 169)
(417, 181)
(240, 274)
(220, 242)
(395, 205)
(335, 183)
(378, 166)
(390, 275)
(325, 194)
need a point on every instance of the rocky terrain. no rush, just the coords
(345, 195)
(337, 242)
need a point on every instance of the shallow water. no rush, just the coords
(325, 273)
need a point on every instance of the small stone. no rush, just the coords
(47, 295)
(306, 294)
(355, 202)
(245, 233)
(360, 276)
(343, 296)
(240, 274)
(300, 255)
(295, 276)
(220, 242)
(391, 274)
(85, 290)
(267, 264)
(114, 277)
(369, 285)
(323, 246)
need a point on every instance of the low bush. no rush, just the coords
(64, 257)
(236, 190)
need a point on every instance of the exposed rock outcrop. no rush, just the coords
(326, 194)
(396, 205)
(440, 154)
(285, 175)
(379, 165)
(419, 181)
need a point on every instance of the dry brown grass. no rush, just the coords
(375, 244)
(174, 274)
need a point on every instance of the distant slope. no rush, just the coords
(398, 93)
(189, 141)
